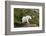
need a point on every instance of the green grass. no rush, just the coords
(20, 12)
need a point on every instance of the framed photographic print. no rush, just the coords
(24, 17)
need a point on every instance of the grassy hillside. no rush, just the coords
(20, 12)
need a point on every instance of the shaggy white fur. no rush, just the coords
(26, 18)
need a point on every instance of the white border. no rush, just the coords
(26, 28)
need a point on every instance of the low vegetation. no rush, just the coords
(20, 12)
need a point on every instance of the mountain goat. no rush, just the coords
(26, 18)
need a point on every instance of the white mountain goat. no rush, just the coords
(26, 18)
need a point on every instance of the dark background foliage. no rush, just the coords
(20, 12)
